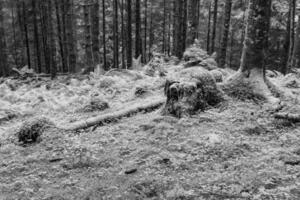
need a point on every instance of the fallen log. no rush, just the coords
(115, 116)
(288, 116)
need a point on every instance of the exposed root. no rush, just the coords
(251, 86)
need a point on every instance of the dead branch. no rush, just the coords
(288, 116)
(115, 116)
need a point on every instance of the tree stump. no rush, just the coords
(189, 91)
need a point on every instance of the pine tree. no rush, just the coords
(223, 49)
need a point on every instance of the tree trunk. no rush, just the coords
(129, 35)
(214, 29)
(138, 37)
(60, 36)
(223, 49)
(208, 29)
(104, 35)
(123, 36)
(180, 27)
(251, 74)
(52, 41)
(70, 34)
(296, 51)
(115, 35)
(145, 31)
(164, 28)
(193, 21)
(151, 33)
(95, 17)
(292, 35)
(45, 40)
(3, 53)
(36, 37)
(25, 23)
(88, 34)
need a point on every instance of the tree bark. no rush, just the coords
(3, 52)
(138, 37)
(36, 37)
(26, 34)
(60, 36)
(115, 35)
(88, 34)
(208, 29)
(104, 35)
(70, 34)
(214, 29)
(223, 49)
(129, 35)
(95, 17)
(252, 69)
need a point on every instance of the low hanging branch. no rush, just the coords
(288, 116)
(112, 117)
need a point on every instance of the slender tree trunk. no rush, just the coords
(52, 41)
(180, 27)
(169, 33)
(151, 32)
(138, 37)
(115, 35)
(64, 34)
(214, 29)
(208, 29)
(70, 34)
(3, 53)
(26, 35)
(193, 21)
(104, 35)
(95, 18)
(296, 51)
(292, 36)
(145, 31)
(45, 40)
(223, 50)
(129, 35)
(36, 37)
(15, 50)
(123, 36)
(60, 36)
(88, 34)
(164, 28)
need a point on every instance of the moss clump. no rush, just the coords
(95, 104)
(31, 130)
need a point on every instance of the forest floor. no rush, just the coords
(234, 151)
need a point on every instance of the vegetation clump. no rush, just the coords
(32, 130)
(191, 90)
(95, 104)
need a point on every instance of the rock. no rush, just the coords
(189, 91)
(31, 130)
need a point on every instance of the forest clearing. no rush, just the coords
(146, 99)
